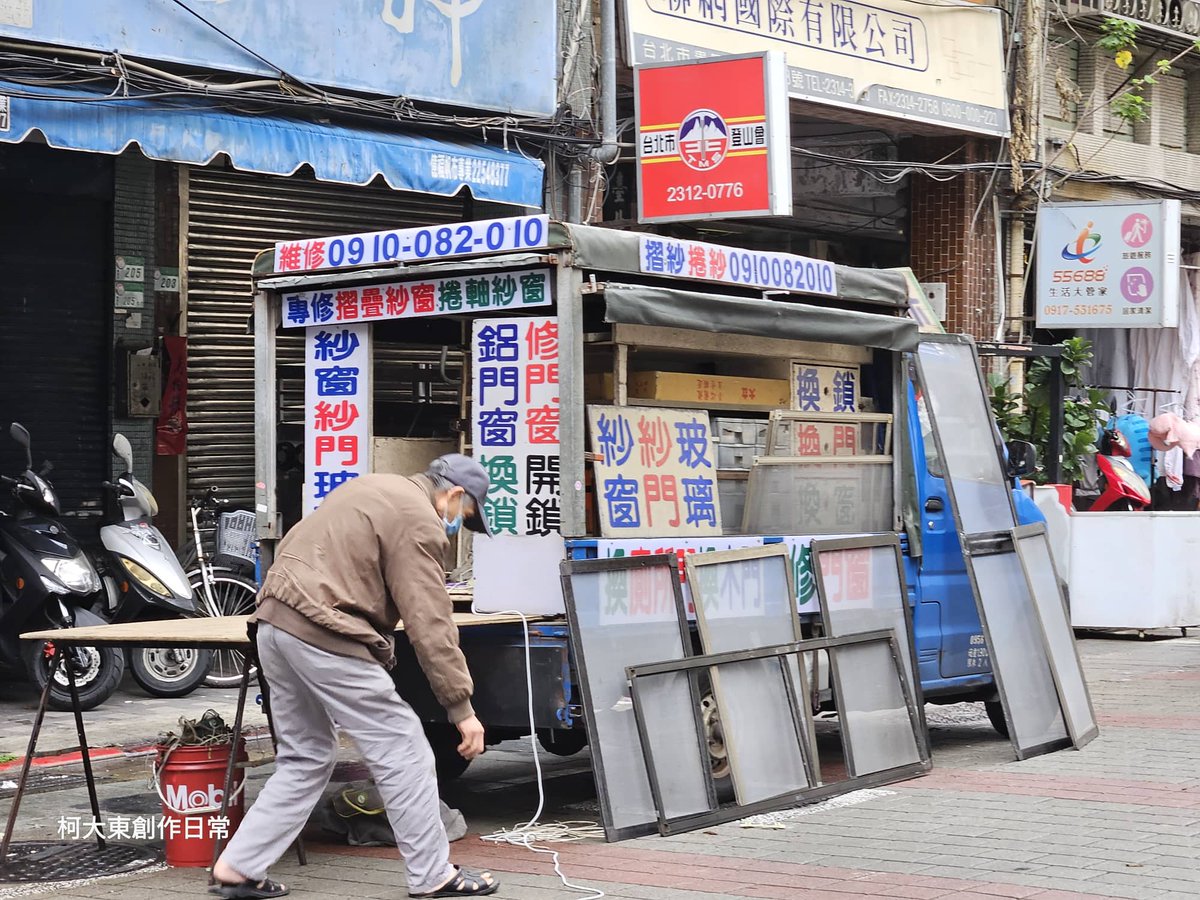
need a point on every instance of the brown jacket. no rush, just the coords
(370, 556)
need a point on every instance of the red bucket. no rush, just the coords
(191, 785)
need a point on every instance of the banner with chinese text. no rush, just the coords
(657, 473)
(910, 60)
(337, 409)
(825, 389)
(515, 411)
(472, 294)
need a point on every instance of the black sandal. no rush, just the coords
(465, 883)
(249, 890)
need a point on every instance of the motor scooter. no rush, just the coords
(47, 581)
(144, 581)
(1123, 487)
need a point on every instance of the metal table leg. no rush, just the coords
(14, 809)
(86, 753)
(231, 767)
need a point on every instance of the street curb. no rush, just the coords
(66, 757)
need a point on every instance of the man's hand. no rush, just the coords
(472, 738)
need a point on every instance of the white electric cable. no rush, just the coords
(534, 830)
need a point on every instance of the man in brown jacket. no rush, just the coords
(369, 556)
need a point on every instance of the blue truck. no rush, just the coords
(603, 281)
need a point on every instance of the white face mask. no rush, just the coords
(453, 526)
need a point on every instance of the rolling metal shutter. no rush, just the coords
(231, 218)
(55, 313)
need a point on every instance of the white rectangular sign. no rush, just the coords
(730, 265)
(1108, 265)
(337, 408)
(461, 295)
(515, 409)
(408, 244)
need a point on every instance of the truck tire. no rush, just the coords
(995, 714)
(444, 740)
(562, 741)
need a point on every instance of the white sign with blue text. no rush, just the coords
(413, 244)
(337, 408)
(730, 265)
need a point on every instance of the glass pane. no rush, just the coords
(1017, 651)
(874, 717)
(628, 617)
(963, 421)
(679, 759)
(863, 592)
(744, 604)
(758, 722)
(820, 498)
(1039, 565)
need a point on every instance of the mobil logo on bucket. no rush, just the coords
(186, 799)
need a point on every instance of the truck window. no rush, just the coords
(933, 462)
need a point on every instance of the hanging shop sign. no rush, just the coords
(918, 61)
(337, 408)
(503, 291)
(1108, 265)
(514, 365)
(456, 52)
(408, 244)
(824, 389)
(656, 473)
(729, 265)
(713, 139)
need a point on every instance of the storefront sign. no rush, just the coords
(337, 408)
(415, 299)
(1108, 265)
(825, 389)
(729, 265)
(514, 366)
(484, 54)
(409, 244)
(713, 139)
(657, 474)
(918, 61)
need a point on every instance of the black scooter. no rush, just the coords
(46, 581)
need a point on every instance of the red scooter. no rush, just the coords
(1124, 488)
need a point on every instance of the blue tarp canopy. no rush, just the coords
(195, 133)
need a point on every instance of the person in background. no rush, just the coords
(371, 555)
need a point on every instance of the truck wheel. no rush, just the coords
(562, 742)
(98, 671)
(444, 741)
(995, 714)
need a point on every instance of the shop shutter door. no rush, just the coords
(55, 298)
(231, 218)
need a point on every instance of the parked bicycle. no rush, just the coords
(217, 579)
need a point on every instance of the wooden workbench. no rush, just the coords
(219, 633)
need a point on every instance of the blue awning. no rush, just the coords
(194, 133)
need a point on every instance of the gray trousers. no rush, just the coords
(310, 690)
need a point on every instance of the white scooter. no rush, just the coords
(143, 580)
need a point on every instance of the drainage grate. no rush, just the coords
(35, 861)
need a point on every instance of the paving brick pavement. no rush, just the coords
(1120, 818)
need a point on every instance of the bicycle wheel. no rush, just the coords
(231, 596)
